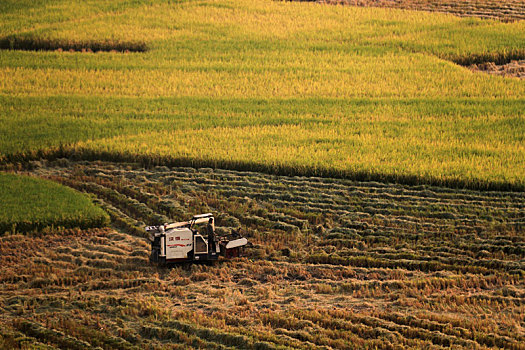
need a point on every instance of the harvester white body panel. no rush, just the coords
(179, 242)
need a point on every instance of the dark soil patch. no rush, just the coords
(39, 44)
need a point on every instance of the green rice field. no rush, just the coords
(33, 204)
(294, 88)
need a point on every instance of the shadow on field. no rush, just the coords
(42, 44)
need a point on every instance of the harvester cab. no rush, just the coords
(191, 241)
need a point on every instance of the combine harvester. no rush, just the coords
(191, 241)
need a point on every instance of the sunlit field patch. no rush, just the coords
(32, 204)
(345, 91)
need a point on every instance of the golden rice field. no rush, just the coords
(280, 87)
(377, 171)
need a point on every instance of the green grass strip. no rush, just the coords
(31, 204)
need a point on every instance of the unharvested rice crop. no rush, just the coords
(285, 88)
(32, 204)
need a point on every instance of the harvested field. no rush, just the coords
(508, 11)
(334, 264)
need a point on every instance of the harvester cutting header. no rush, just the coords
(191, 241)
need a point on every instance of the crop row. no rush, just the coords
(136, 310)
(365, 224)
